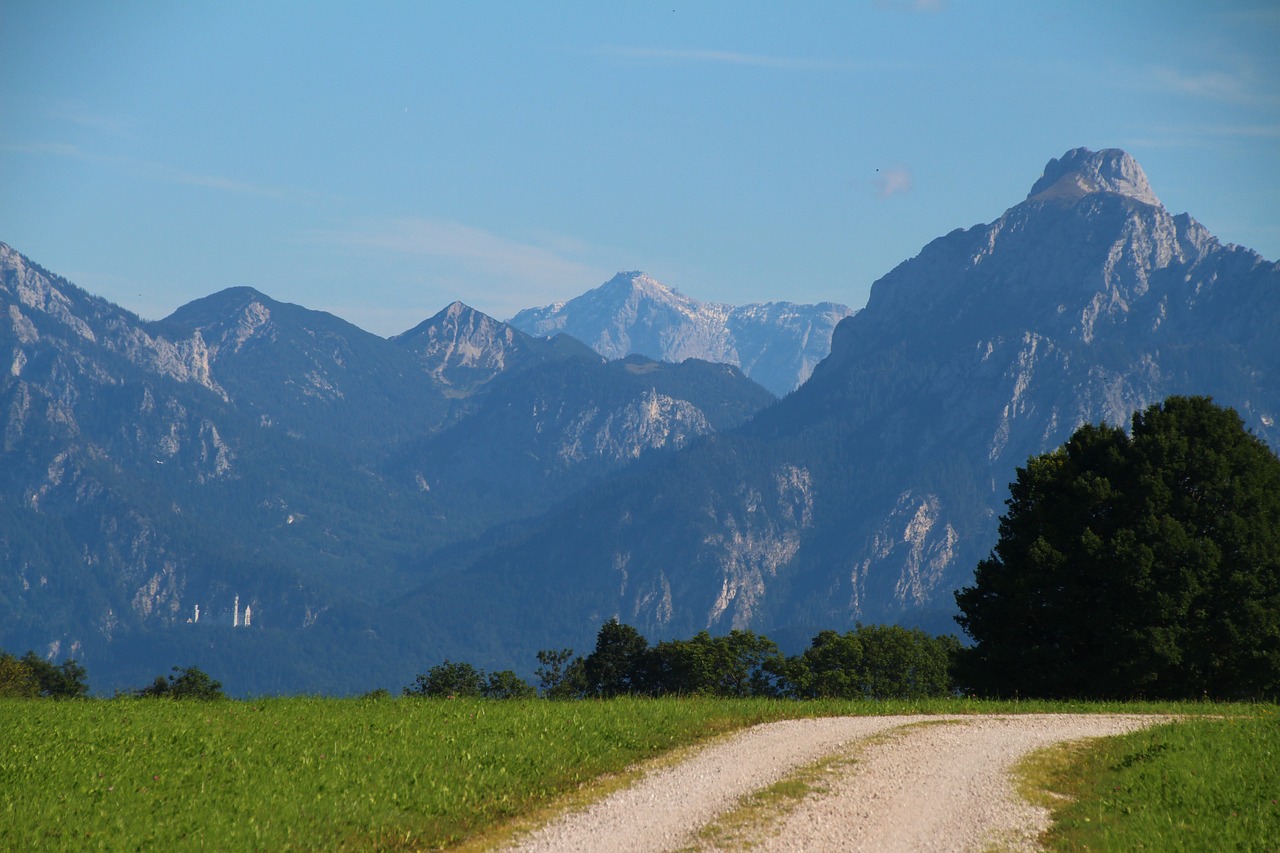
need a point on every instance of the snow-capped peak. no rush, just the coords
(636, 284)
(775, 344)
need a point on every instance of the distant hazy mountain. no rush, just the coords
(871, 492)
(308, 373)
(463, 349)
(538, 436)
(776, 343)
(537, 418)
(245, 456)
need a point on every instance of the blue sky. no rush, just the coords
(380, 160)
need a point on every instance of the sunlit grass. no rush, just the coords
(1201, 784)
(316, 773)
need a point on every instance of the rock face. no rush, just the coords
(308, 373)
(871, 492)
(538, 436)
(775, 343)
(1085, 303)
(463, 349)
(1080, 172)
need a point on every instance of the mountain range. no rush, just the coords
(775, 343)
(473, 491)
(249, 454)
(871, 492)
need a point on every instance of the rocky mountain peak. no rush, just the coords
(1081, 172)
(775, 344)
(460, 338)
(462, 318)
(462, 349)
(634, 286)
(634, 280)
(457, 309)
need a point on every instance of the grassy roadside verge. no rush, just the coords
(1201, 784)
(337, 774)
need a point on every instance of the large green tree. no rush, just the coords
(1139, 564)
(448, 679)
(617, 665)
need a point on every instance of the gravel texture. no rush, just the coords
(931, 787)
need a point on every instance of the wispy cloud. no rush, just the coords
(217, 182)
(893, 181)
(57, 149)
(1215, 85)
(1255, 19)
(503, 274)
(1239, 131)
(721, 57)
(1241, 85)
(484, 249)
(77, 113)
(153, 171)
(1200, 136)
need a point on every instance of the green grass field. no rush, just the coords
(315, 773)
(335, 774)
(1203, 784)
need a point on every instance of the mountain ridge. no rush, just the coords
(156, 477)
(869, 493)
(776, 343)
(385, 503)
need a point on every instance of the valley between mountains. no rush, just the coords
(297, 505)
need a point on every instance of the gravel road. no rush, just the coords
(926, 788)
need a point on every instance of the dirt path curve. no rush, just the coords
(935, 787)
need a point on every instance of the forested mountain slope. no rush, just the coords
(871, 492)
(258, 463)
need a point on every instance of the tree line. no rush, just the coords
(869, 662)
(33, 677)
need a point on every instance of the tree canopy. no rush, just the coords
(31, 676)
(1136, 565)
(460, 679)
(872, 662)
(190, 682)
